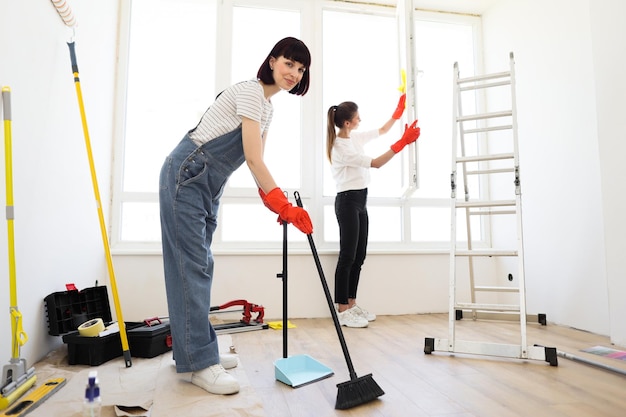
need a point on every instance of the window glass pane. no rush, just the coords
(385, 224)
(331, 228)
(171, 81)
(141, 222)
(252, 223)
(253, 39)
(365, 71)
(166, 95)
(435, 62)
(432, 224)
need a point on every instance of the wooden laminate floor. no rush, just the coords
(391, 349)
(438, 384)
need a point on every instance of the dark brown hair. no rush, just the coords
(295, 50)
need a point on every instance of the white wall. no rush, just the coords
(559, 157)
(569, 136)
(608, 38)
(398, 284)
(57, 234)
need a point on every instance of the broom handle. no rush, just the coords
(284, 277)
(329, 298)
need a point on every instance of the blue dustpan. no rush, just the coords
(295, 370)
(300, 370)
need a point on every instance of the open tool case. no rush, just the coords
(67, 310)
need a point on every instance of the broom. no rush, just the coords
(358, 390)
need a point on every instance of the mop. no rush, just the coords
(297, 370)
(17, 378)
(358, 390)
(66, 14)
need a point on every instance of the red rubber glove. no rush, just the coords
(411, 133)
(400, 108)
(276, 201)
(264, 198)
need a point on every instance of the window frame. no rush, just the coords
(312, 129)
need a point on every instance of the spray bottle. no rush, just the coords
(93, 403)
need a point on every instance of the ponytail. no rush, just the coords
(331, 134)
(337, 115)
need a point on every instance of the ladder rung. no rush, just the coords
(487, 288)
(485, 85)
(488, 129)
(484, 77)
(491, 157)
(487, 307)
(493, 203)
(490, 171)
(491, 212)
(483, 116)
(485, 252)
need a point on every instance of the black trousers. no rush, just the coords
(351, 212)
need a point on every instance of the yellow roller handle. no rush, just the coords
(94, 180)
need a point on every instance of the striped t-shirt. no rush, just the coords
(244, 99)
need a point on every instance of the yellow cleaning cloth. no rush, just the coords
(277, 325)
(402, 88)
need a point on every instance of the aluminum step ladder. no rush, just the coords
(485, 149)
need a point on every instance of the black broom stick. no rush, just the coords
(358, 390)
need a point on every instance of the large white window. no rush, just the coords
(178, 57)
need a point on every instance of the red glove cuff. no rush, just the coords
(400, 108)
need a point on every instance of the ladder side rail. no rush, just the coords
(518, 200)
(453, 186)
(468, 229)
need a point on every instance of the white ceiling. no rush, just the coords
(459, 6)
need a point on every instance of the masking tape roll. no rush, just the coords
(91, 328)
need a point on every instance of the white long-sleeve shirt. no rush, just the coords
(350, 165)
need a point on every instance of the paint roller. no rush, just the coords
(65, 11)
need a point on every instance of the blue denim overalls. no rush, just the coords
(191, 184)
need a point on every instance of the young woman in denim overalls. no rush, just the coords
(232, 130)
(350, 168)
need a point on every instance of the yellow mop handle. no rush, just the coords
(94, 181)
(18, 334)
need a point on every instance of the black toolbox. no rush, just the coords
(146, 339)
(150, 338)
(67, 310)
(92, 351)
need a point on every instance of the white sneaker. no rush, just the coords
(228, 361)
(348, 318)
(215, 380)
(360, 311)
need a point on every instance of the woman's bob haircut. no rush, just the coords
(295, 50)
